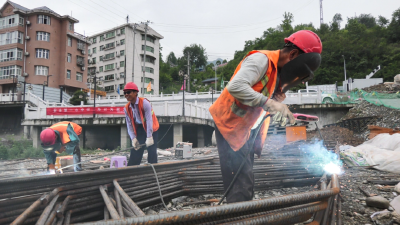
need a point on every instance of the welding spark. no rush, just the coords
(332, 168)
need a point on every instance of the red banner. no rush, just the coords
(118, 110)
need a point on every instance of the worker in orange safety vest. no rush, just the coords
(256, 88)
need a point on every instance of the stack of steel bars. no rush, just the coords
(120, 194)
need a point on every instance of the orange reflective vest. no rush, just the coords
(142, 117)
(235, 120)
(61, 127)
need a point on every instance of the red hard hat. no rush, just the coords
(48, 137)
(306, 40)
(131, 86)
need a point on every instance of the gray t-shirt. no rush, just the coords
(252, 70)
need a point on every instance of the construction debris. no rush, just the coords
(336, 134)
(375, 130)
(389, 87)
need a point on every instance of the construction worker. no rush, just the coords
(60, 137)
(257, 88)
(142, 125)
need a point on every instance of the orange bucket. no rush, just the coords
(296, 133)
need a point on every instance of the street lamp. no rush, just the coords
(344, 61)
(46, 83)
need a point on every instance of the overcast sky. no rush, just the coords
(220, 26)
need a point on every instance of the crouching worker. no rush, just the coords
(142, 125)
(60, 137)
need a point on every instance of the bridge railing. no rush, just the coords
(160, 109)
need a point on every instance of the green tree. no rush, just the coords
(171, 58)
(218, 63)
(394, 27)
(382, 21)
(198, 55)
(77, 97)
(224, 61)
(287, 22)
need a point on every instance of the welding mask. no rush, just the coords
(300, 69)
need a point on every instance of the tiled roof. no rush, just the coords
(20, 7)
(44, 8)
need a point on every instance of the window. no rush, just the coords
(122, 41)
(121, 87)
(10, 54)
(88, 51)
(148, 48)
(109, 77)
(79, 77)
(43, 19)
(109, 88)
(41, 70)
(109, 67)
(110, 34)
(102, 38)
(100, 69)
(149, 59)
(101, 58)
(81, 46)
(122, 63)
(94, 50)
(11, 21)
(149, 38)
(71, 26)
(147, 80)
(122, 52)
(69, 41)
(109, 56)
(42, 36)
(68, 74)
(122, 75)
(94, 40)
(149, 69)
(122, 30)
(7, 71)
(11, 38)
(42, 53)
(94, 60)
(109, 45)
(69, 56)
(101, 47)
(80, 60)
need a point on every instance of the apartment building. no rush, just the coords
(38, 45)
(116, 57)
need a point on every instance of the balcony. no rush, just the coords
(81, 46)
(80, 61)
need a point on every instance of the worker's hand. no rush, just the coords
(149, 141)
(279, 96)
(135, 144)
(280, 111)
(61, 150)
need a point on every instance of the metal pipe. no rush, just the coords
(128, 200)
(52, 215)
(21, 218)
(110, 207)
(118, 201)
(67, 218)
(106, 213)
(60, 211)
(47, 211)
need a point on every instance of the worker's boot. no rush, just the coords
(51, 168)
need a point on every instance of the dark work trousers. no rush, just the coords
(136, 156)
(242, 189)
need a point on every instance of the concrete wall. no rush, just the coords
(104, 137)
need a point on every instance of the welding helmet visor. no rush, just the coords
(300, 69)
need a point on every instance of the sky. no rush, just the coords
(220, 26)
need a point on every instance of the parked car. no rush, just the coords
(326, 98)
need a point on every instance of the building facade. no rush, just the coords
(116, 57)
(39, 45)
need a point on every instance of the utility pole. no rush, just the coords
(215, 77)
(144, 55)
(188, 72)
(321, 13)
(344, 67)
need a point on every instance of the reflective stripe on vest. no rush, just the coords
(142, 117)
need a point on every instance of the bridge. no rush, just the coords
(104, 125)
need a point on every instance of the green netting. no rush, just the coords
(390, 100)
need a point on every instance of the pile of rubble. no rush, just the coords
(382, 88)
(336, 134)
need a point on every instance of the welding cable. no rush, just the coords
(158, 183)
(244, 159)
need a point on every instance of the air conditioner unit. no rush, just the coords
(117, 54)
(89, 54)
(83, 51)
(25, 74)
(118, 32)
(117, 42)
(83, 68)
(90, 61)
(28, 22)
(117, 77)
(26, 53)
(117, 67)
(97, 71)
(27, 38)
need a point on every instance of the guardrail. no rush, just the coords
(29, 97)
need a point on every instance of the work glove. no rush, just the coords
(279, 96)
(149, 141)
(280, 111)
(135, 144)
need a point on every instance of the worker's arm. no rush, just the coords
(129, 126)
(148, 117)
(252, 70)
